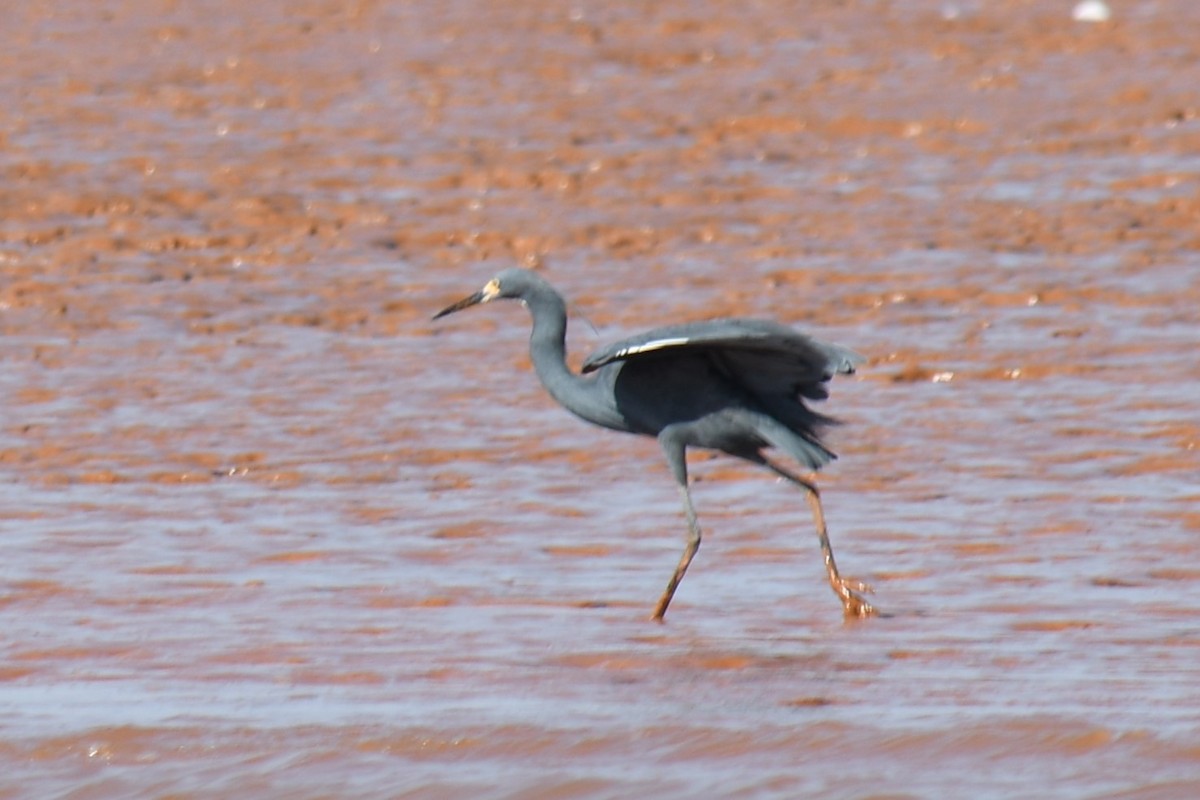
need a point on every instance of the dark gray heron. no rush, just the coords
(734, 385)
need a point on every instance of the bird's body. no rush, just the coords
(733, 385)
(737, 374)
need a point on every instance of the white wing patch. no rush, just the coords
(657, 344)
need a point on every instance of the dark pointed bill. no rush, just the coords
(466, 302)
(489, 292)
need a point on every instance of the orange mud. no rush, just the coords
(268, 532)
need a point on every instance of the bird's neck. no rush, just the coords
(548, 347)
(548, 350)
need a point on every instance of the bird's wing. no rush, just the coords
(755, 345)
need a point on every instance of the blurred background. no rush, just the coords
(269, 532)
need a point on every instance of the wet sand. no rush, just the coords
(270, 532)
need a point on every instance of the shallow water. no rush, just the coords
(270, 532)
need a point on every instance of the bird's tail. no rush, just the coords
(801, 442)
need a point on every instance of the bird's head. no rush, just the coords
(516, 283)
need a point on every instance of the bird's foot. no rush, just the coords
(854, 605)
(851, 585)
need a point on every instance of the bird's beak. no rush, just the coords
(466, 302)
(482, 296)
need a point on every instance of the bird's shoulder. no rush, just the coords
(762, 336)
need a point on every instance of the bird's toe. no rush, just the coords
(858, 586)
(853, 604)
(860, 609)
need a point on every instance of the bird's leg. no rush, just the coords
(674, 447)
(853, 604)
(689, 552)
(849, 591)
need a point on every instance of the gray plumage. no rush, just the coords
(734, 385)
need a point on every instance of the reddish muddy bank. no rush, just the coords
(269, 532)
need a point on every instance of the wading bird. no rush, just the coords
(734, 385)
